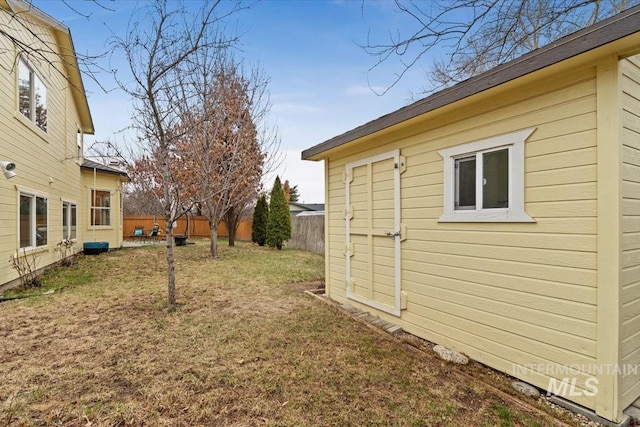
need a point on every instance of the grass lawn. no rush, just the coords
(244, 348)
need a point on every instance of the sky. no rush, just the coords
(320, 83)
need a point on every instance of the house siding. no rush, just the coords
(112, 233)
(630, 277)
(506, 294)
(41, 166)
(47, 163)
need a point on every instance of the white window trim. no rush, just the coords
(91, 208)
(70, 203)
(515, 212)
(80, 145)
(31, 119)
(32, 221)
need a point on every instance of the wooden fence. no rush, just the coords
(307, 233)
(198, 227)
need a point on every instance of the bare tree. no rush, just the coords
(161, 43)
(143, 194)
(479, 35)
(221, 146)
(31, 38)
(241, 209)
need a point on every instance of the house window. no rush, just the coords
(32, 95)
(100, 207)
(69, 216)
(33, 220)
(484, 180)
(79, 141)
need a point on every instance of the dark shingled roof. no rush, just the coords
(309, 206)
(91, 165)
(609, 30)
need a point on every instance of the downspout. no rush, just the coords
(92, 211)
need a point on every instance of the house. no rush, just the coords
(53, 193)
(501, 217)
(296, 208)
(104, 217)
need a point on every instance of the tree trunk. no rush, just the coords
(168, 225)
(231, 221)
(171, 270)
(213, 236)
(232, 224)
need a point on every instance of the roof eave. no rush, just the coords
(101, 169)
(68, 57)
(606, 32)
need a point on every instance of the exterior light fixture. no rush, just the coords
(8, 168)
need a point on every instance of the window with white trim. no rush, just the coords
(33, 220)
(79, 143)
(100, 207)
(32, 95)
(484, 180)
(69, 220)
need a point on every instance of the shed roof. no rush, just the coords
(602, 33)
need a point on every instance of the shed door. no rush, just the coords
(373, 231)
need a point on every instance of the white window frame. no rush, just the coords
(33, 79)
(92, 208)
(80, 145)
(33, 226)
(67, 205)
(514, 142)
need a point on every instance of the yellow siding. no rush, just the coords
(47, 163)
(111, 233)
(630, 296)
(40, 157)
(505, 294)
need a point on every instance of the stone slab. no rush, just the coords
(633, 412)
(526, 389)
(450, 355)
(394, 329)
(574, 407)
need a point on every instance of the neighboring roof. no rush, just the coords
(609, 30)
(308, 206)
(90, 165)
(67, 54)
(309, 213)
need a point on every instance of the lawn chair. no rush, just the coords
(138, 232)
(154, 232)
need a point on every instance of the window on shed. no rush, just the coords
(465, 183)
(484, 180)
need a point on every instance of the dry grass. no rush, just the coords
(242, 349)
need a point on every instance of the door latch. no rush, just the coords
(391, 234)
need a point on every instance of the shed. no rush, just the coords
(501, 217)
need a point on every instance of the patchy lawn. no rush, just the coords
(244, 348)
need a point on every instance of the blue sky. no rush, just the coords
(320, 84)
